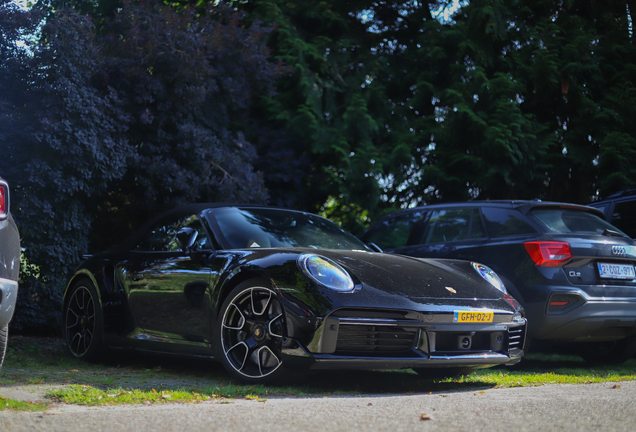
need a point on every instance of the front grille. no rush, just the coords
(516, 336)
(461, 341)
(370, 339)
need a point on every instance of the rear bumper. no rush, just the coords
(593, 319)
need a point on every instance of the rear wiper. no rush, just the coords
(611, 233)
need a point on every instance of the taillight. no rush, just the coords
(549, 254)
(4, 200)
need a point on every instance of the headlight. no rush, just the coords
(325, 272)
(492, 278)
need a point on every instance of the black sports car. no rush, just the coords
(269, 292)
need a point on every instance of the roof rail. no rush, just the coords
(622, 193)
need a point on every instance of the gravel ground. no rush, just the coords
(608, 407)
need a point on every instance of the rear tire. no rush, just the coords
(82, 322)
(613, 352)
(4, 336)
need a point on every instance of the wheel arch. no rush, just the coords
(78, 276)
(236, 279)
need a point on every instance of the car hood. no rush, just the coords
(414, 278)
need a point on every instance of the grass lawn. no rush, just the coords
(43, 365)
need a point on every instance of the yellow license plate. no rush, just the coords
(473, 317)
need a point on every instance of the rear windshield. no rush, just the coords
(572, 221)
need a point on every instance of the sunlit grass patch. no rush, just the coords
(15, 405)
(87, 395)
(541, 369)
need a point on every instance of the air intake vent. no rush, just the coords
(516, 336)
(365, 339)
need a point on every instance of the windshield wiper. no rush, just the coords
(611, 233)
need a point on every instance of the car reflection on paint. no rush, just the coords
(271, 293)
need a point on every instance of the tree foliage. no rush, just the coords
(122, 125)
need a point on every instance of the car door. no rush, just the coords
(167, 287)
(394, 231)
(454, 233)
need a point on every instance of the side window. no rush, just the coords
(394, 232)
(162, 238)
(447, 225)
(505, 222)
(624, 217)
(476, 227)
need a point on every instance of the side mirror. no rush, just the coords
(186, 238)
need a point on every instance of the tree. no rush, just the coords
(327, 109)
(125, 125)
(530, 100)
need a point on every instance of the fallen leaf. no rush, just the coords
(370, 404)
(480, 392)
(154, 391)
(73, 370)
(426, 417)
(616, 386)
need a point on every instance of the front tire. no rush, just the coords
(82, 322)
(250, 332)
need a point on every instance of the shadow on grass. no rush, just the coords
(546, 358)
(45, 361)
(35, 361)
(201, 373)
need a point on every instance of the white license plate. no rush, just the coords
(616, 271)
(473, 317)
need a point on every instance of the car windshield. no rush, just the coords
(572, 221)
(261, 228)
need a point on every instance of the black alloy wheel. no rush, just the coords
(83, 322)
(251, 333)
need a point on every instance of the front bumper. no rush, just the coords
(363, 343)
